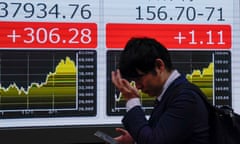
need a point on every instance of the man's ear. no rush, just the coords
(159, 64)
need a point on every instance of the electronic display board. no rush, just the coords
(56, 57)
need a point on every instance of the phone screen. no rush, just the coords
(107, 138)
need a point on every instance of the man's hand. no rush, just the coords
(125, 137)
(128, 91)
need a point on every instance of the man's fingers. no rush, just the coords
(119, 82)
(122, 131)
(130, 89)
(127, 90)
(116, 80)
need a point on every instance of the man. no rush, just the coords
(185, 118)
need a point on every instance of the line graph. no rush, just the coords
(44, 83)
(58, 90)
(210, 70)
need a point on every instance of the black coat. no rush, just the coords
(180, 120)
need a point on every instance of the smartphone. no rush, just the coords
(107, 138)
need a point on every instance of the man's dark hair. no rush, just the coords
(140, 54)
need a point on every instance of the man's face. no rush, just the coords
(150, 83)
